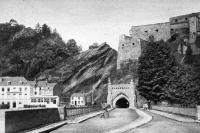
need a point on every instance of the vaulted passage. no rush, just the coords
(122, 103)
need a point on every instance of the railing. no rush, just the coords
(72, 112)
(181, 110)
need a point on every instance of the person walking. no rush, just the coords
(149, 104)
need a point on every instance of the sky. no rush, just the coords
(90, 21)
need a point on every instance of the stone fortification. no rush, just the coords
(187, 26)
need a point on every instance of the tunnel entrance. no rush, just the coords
(122, 103)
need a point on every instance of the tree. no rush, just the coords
(155, 64)
(72, 47)
(46, 31)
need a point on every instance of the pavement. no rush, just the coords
(143, 119)
(174, 116)
(119, 117)
(117, 123)
(162, 124)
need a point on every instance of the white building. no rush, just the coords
(77, 100)
(42, 94)
(14, 91)
(18, 92)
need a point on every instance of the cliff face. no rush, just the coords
(88, 72)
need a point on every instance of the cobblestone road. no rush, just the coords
(160, 124)
(118, 118)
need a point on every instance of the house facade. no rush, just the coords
(17, 92)
(77, 100)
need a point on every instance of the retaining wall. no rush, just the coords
(191, 112)
(12, 121)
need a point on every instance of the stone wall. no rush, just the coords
(13, 121)
(159, 31)
(191, 112)
(130, 47)
(118, 91)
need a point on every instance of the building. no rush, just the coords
(187, 26)
(17, 92)
(42, 94)
(121, 95)
(14, 91)
(77, 100)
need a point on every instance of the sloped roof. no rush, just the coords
(18, 81)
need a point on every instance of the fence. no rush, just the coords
(186, 111)
(72, 112)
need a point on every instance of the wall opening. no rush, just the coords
(122, 103)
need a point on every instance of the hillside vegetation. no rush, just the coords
(41, 53)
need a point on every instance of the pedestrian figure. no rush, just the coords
(145, 106)
(105, 113)
(149, 104)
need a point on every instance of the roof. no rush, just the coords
(45, 84)
(21, 81)
(78, 95)
(18, 81)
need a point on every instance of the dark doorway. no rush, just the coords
(14, 104)
(122, 103)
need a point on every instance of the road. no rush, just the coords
(118, 118)
(160, 124)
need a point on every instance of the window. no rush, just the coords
(25, 94)
(8, 89)
(35, 93)
(25, 89)
(20, 89)
(122, 45)
(156, 30)
(172, 29)
(176, 20)
(186, 18)
(133, 43)
(2, 89)
(81, 101)
(54, 101)
(146, 31)
(20, 102)
(9, 83)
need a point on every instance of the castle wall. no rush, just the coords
(188, 27)
(159, 31)
(129, 48)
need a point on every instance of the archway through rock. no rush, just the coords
(122, 103)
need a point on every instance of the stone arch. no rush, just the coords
(119, 97)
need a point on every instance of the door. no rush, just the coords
(14, 104)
